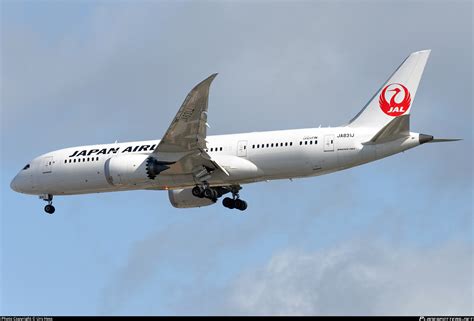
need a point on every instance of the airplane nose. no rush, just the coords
(14, 184)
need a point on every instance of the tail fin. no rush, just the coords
(396, 96)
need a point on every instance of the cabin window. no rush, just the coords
(291, 143)
(301, 143)
(272, 144)
(221, 149)
(65, 161)
(253, 146)
(74, 160)
(97, 158)
(306, 142)
(311, 142)
(268, 145)
(286, 144)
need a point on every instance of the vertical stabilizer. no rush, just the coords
(396, 96)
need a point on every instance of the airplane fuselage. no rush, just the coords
(247, 158)
(198, 169)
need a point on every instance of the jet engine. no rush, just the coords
(133, 169)
(184, 198)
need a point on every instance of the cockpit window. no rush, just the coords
(26, 166)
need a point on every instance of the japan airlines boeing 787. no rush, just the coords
(197, 169)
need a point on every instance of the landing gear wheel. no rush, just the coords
(48, 198)
(49, 209)
(240, 204)
(197, 191)
(228, 202)
(209, 193)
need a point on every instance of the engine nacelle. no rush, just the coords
(132, 169)
(183, 198)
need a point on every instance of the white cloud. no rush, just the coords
(358, 278)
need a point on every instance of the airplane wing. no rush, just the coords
(187, 131)
(184, 142)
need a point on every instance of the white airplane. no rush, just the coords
(197, 169)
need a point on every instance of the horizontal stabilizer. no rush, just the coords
(399, 127)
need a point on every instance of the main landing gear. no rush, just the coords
(206, 192)
(235, 201)
(232, 203)
(213, 193)
(48, 208)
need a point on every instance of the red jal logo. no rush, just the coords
(399, 101)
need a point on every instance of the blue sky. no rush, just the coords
(391, 237)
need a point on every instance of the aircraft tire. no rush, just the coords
(209, 193)
(228, 202)
(49, 209)
(197, 191)
(240, 204)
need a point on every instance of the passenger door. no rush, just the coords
(48, 164)
(242, 148)
(329, 143)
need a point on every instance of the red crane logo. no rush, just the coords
(398, 103)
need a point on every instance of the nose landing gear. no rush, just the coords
(48, 208)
